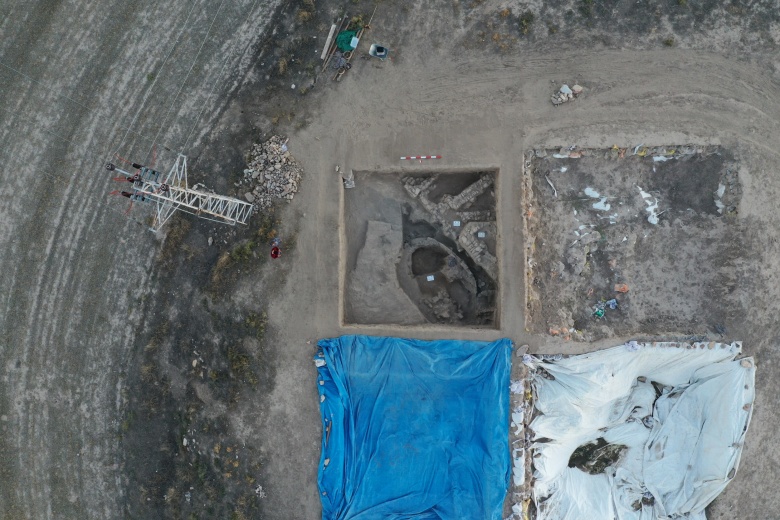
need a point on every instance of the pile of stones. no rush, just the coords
(565, 94)
(272, 173)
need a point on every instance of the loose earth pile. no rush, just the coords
(272, 173)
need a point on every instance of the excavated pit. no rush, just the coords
(632, 241)
(421, 249)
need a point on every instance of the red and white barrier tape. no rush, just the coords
(414, 157)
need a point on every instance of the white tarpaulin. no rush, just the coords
(642, 431)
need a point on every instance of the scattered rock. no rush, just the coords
(273, 173)
(566, 93)
(249, 197)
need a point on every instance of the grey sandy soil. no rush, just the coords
(80, 82)
(77, 278)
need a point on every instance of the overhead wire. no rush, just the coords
(74, 101)
(66, 180)
(213, 87)
(194, 61)
(154, 81)
(129, 129)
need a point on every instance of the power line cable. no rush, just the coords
(129, 129)
(78, 148)
(213, 87)
(51, 89)
(203, 43)
(154, 81)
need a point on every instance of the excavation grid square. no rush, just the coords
(421, 249)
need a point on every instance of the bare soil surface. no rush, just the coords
(651, 242)
(116, 346)
(81, 284)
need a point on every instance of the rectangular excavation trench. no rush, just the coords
(421, 249)
(631, 241)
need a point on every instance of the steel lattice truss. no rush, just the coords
(171, 193)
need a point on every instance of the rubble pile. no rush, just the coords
(272, 173)
(565, 94)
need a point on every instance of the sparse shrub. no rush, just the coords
(526, 19)
(356, 23)
(242, 252)
(734, 9)
(222, 264)
(177, 232)
(669, 42)
(282, 66)
(266, 230)
(504, 13)
(257, 323)
(586, 8)
(240, 366)
(147, 372)
(304, 16)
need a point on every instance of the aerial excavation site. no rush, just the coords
(456, 260)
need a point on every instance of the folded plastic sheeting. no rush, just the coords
(640, 431)
(413, 429)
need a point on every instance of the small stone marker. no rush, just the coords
(456, 223)
(429, 277)
(481, 234)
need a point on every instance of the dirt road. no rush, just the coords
(80, 82)
(77, 278)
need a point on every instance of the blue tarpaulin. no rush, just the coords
(413, 429)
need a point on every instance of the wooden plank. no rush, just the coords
(333, 46)
(327, 42)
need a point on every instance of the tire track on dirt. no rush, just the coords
(72, 289)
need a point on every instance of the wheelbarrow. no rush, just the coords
(377, 51)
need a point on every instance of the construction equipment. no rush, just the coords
(169, 193)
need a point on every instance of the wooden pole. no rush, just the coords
(333, 47)
(327, 42)
(360, 33)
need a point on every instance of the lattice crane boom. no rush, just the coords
(170, 193)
